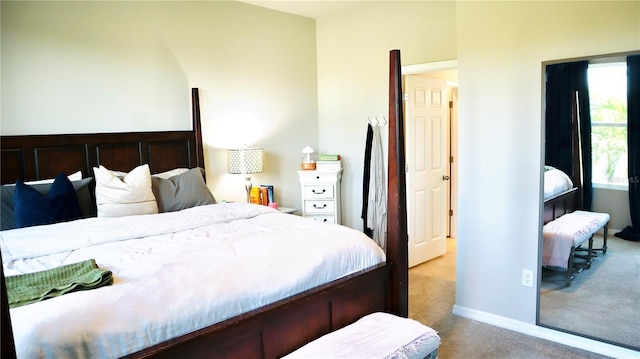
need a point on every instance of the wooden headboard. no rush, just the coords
(35, 157)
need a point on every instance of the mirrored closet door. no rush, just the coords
(590, 160)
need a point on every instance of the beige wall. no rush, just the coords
(127, 66)
(499, 47)
(353, 68)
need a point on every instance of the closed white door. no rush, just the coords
(427, 128)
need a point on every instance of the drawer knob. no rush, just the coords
(319, 192)
(317, 177)
(316, 206)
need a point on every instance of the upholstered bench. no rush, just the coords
(377, 335)
(566, 234)
(603, 223)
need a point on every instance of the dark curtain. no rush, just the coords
(633, 137)
(366, 179)
(561, 81)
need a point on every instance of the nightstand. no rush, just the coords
(287, 210)
(320, 190)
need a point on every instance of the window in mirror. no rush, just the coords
(608, 99)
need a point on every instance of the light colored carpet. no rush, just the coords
(602, 301)
(431, 299)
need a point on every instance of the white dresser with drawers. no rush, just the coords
(320, 191)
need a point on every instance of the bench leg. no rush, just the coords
(590, 253)
(586, 257)
(604, 241)
(572, 267)
(603, 249)
(569, 275)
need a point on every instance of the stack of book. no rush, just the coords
(327, 162)
(326, 157)
(262, 195)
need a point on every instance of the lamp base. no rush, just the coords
(308, 166)
(248, 186)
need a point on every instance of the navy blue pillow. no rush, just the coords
(33, 208)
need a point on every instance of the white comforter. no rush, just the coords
(173, 273)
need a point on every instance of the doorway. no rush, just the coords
(431, 172)
(434, 281)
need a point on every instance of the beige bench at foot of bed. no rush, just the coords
(603, 219)
(377, 335)
(580, 226)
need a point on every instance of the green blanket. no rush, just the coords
(29, 288)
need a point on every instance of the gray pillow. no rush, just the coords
(83, 191)
(183, 191)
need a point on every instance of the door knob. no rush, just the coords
(446, 178)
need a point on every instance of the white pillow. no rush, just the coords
(129, 196)
(171, 173)
(163, 175)
(77, 176)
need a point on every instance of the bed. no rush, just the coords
(270, 322)
(555, 182)
(560, 197)
(561, 190)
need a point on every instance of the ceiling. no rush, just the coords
(308, 8)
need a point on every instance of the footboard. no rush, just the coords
(560, 204)
(282, 327)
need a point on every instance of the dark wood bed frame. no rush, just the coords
(270, 331)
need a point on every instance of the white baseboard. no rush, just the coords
(610, 231)
(546, 333)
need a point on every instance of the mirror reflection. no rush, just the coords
(591, 232)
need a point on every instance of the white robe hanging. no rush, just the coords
(377, 206)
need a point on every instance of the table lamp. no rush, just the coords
(245, 161)
(308, 162)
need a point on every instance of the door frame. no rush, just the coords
(429, 67)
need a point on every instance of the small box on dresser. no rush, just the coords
(320, 190)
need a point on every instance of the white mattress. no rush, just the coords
(173, 273)
(556, 182)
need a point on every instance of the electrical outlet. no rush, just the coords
(527, 277)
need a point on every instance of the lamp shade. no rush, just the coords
(245, 160)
